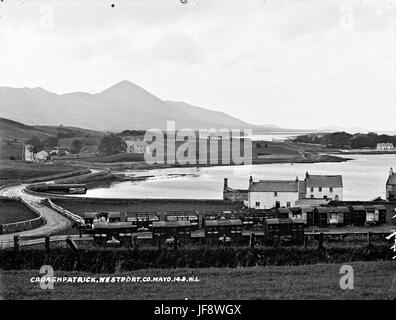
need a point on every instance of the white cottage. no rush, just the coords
(327, 187)
(266, 194)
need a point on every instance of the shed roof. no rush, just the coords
(90, 215)
(171, 224)
(274, 186)
(112, 225)
(379, 206)
(358, 208)
(228, 222)
(114, 214)
(281, 221)
(324, 181)
(284, 210)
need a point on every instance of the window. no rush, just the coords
(288, 204)
(257, 204)
(275, 194)
(331, 189)
(336, 197)
(312, 189)
(312, 196)
(320, 189)
(325, 197)
(277, 204)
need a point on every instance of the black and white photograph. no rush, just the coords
(197, 150)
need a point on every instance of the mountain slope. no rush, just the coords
(120, 107)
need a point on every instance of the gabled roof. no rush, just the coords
(171, 224)
(274, 186)
(324, 181)
(391, 179)
(228, 222)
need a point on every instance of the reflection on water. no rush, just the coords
(364, 179)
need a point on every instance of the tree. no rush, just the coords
(111, 144)
(51, 142)
(76, 146)
(35, 142)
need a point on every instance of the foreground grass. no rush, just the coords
(372, 280)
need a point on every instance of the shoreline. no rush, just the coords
(115, 173)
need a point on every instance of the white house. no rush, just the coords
(28, 154)
(266, 194)
(385, 146)
(41, 156)
(327, 187)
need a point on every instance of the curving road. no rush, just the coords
(54, 220)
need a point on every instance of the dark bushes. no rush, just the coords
(111, 260)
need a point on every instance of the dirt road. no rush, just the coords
(53, 220)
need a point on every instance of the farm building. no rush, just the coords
(116, 217)
(375, 214)
(391, 186)
(265, 194)
(385, 146)
(143, 220)
(191, 216)
(331, 216)
(225, 230)
(308, 215)
(358, 214)
(90, 218)
(283, 229)
(164, 231)
(327, 187)
(234, 195)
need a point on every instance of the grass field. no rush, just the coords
(372, 280)
(14, 171)
(13, 211)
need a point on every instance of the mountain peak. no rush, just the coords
(122, 85)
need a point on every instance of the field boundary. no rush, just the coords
(23, 225)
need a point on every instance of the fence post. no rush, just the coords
(369, 236)
(275, 241)
(135, 243)
(16, 243)
(47, 244)
(175, 244)
(252, 240)
(321, 240)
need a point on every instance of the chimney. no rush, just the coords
(306, 175)
(390, 172)
(225, 183)
(250, 181)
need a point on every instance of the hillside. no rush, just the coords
(13, 134)
(120, 107)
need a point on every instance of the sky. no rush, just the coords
(296, 64)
